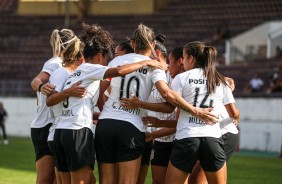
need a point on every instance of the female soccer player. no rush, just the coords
(120, 132)
(202, 86)
(44, 118)
(230, 136)
(58, 79)
(123, 48)
(74, 134)
(151, 133)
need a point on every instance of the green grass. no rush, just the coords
(17, 165)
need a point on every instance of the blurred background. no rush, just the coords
(247, 34)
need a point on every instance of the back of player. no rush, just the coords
(44, 118)
(120, 133)
(138, 83)
(194, 91)
(202, 86)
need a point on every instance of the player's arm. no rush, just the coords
(159, 133)
(135, 102)
(155, 122)
(233, 112)
(128, 68)
(56, 97)
(176, 100)
(103, 87)
(39, 83)
(151, 121)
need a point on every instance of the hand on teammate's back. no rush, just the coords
(131, 103)
(157, 64)
(76, 90)
(206, 115)
(47, 89)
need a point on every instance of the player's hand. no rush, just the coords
(148, 136)
(151, 121)
(157, 64)
(76, 90)
(207, 116)
(236, 121)
(47, 89)
(131, 103)
(231, 83)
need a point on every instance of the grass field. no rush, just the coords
(17, 166)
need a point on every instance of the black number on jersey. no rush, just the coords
(66, 103)
(203, 102)
(128, 86)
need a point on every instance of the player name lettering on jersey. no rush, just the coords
(195, 120)
(67, 113)
(132, 111)
(142, 70)
(197, 81)
(77, 73)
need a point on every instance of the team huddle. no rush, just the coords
(172, 111)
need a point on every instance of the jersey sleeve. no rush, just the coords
(228, 96)
(58, 79)
(50, 67)
(176, 85)
(96, 71)
(158, 75)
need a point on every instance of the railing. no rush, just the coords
(19, 88)
(251, 53)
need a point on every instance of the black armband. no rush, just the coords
(40, 86)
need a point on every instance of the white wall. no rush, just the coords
(20, 111)
(260, 126)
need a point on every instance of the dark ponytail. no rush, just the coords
(205, 57)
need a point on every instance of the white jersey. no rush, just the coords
(156, 97)
(192, 86)
(138, 83)
(226, 124)
(43, 113)
(58, 79)
(78, 112)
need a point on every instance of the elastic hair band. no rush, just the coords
(74, 38)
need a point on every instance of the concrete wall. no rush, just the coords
(260, 126)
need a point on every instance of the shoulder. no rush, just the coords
(61, 71)
(55, 60)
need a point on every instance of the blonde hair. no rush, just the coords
(73, 52)
(143, 37)
(59, 40)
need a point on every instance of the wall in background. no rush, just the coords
(260, 126)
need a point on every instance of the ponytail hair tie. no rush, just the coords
(206, 50)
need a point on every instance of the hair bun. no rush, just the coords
(161, 38)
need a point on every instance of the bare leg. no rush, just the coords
(45, 170)
(93, 179)
(128, 171)
(175, 175)
(218, 177)
(142, 174)
(107, 173)
(82, 176)
(66, 177)
(158, 173)
(58, 177)
(198, 175)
